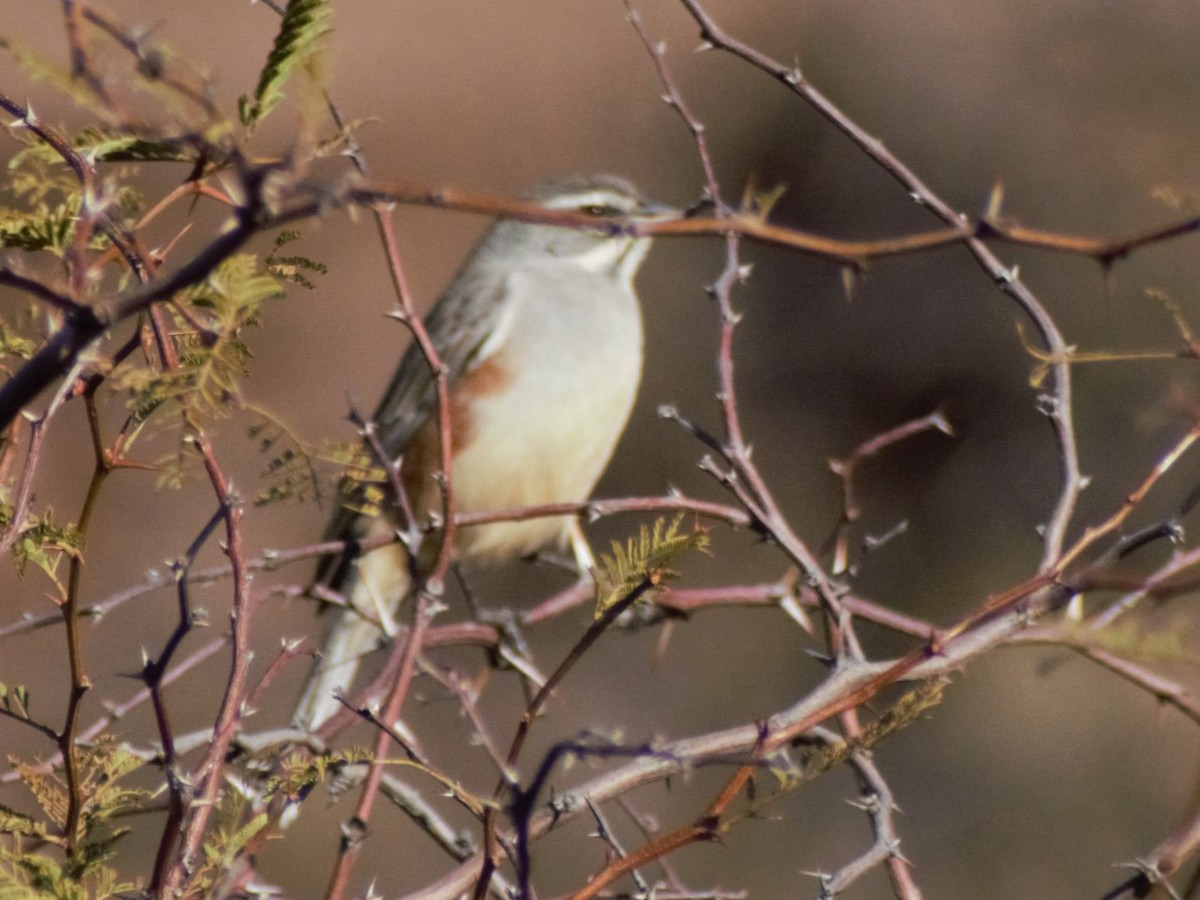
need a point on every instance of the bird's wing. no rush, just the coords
(464, 327)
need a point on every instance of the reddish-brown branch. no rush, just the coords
(153, 673)
(429, 586)
(58, 354)
(1105, 250)
(206, 780)
(707, 827)
(207, 776)
(507, 783)
(846, 469)
(1058, 406)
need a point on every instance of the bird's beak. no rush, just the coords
(652, 211)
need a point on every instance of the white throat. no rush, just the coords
(619, 255)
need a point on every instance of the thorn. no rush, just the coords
(1074, 610)
(995, 202)
(1046, 404)
(848, 282)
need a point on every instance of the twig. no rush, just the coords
(1057, 406)
(845, 470)
(43, 292)
(153, 673)
(80, 681)
(878, 802)
(1164, 861)
(523, 799)
(207, 775)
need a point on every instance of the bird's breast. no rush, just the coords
(536, 422)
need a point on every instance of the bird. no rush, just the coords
(540, 335)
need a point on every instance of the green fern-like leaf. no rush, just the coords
(126, 148)
(222, 850)
(44, 543)
(101, 768)
(47, 199)
(43, 216)
(291, 472)
(35, 875)
(212, 363)
(46, 229)
(292, 269)
(302, 36)
(234, 825)
(645, 558)
(300, 773)
(19, 824)
(14, 699)
(14, 344)
(47, 791)
(40, 68)
(103, 145)
(362, 481)
(25, 876)
(210, 341)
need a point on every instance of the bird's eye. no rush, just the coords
(599, 210)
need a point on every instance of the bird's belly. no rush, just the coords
(535, 444)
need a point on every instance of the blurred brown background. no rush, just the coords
(1039, 773)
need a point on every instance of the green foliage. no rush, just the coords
(210, 321)
(299, 773)
(300, 42)
(819, 758)
(14, 700)
(44, 543)
(645, 559)
(210, 361)
(46, 199)
(292, 269)
(39, 68)
(224, 847)
(363, 484)
(103, 145)
(103, 797)
(43, 217)
(225, 840)
(291, 472)
(14, 344)
(240, 816)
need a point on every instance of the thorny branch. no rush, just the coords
(1059, 408)
(273, 194)
(89, 323)
(428, 585)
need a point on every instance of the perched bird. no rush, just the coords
(541, 336)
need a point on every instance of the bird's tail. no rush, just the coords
(373, 585)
